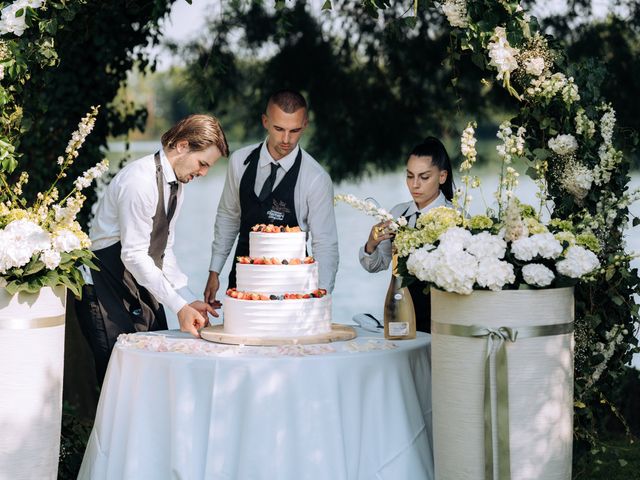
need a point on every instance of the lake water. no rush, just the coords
(356, 291)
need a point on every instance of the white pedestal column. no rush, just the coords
(31, 368)
(539, 378)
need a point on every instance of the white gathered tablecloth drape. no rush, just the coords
(174, 407)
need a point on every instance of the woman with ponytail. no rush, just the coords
(430, 183)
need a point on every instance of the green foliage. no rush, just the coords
(73, 441)
(375, 88)
(94, 53)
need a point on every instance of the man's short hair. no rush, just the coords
(201, 131)
(289, 101)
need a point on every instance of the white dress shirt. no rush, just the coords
(380, 258)
(125, 214)
(313, 199)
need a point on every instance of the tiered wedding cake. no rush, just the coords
(277, 292)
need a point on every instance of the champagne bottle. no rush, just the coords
(399, 314)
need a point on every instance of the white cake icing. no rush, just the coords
(277, 318)
(285, 245)
(277, 279)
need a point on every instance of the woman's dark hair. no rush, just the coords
(432, 147)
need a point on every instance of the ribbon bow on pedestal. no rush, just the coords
(496, 357)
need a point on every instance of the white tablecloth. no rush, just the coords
(173, 407)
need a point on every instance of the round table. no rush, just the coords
(173, 406)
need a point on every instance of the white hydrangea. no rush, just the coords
(547, 245)
(455, 239)
(542, 244)
(494, 274)
(19, 241)
(577, 262)
(51, 258)
(454, 271)
(502, 55)
(563, 144)
(420, 262)
(534, 66)
(456, 13)
(537, 275)
(486, 245)
(66, 241)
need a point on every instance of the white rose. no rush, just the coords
(535, 66)
(563, 144)
(537, 275)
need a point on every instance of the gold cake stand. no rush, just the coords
(338, 333)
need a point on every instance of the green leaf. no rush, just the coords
(532, 173)
(410, 22)
(327, 5)
(609, 273)
(541, 153)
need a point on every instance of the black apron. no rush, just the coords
(421, 301)
(278, 208)
(125, 305)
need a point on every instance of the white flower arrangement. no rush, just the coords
(43, 244)
(513, 250)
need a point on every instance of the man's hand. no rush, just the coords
(191, 319)
(210, 290)
(204, 308)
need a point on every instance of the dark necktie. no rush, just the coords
(173, 200)
(268, 183)
(417, 216)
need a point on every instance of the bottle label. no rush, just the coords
(398, 329)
